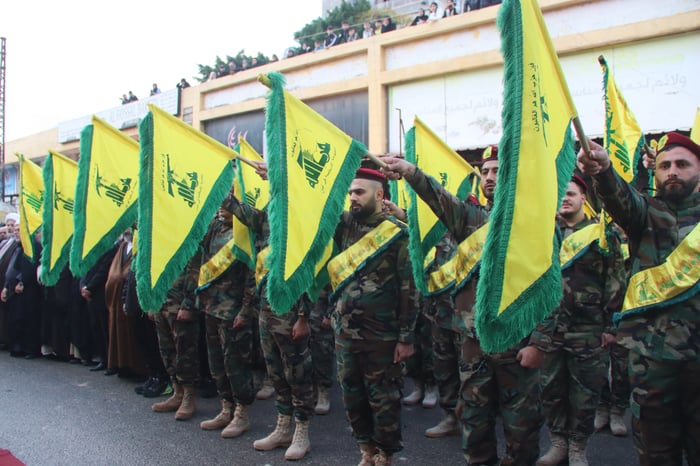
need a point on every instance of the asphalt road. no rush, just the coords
(54, 413)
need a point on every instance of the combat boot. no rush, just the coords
(187, 407)
(266, 391)
(448, 426)
(239, 424)
(368, 452)
(280, 437)
(577, 453)
(381, 458)
(602, 418)
(323, 402)
(415, 396)
(557, 452)
(301, 444)
(222, 419)
(617, 423)
(430, 400)
(172, 403)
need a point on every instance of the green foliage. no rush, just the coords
(206, 70)
(354, 13)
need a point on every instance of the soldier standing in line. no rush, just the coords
(660, 321)
(285, 344)
(177, 327)
(322, 344)
(229, 349)
(576, 334)
(374, 314)
(506, 383)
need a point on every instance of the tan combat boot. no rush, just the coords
(448, 426)
(187, 408)
(416, 396)
(558, 451)
(239, 424)
(431, 396)
(301, 444)
(323, 402)
(266, 391)
(602, 418)
(617, 423)
(172, 403)
(221, 420)
(381, 458)
(577, 453)
(368, 452)
(280, 437)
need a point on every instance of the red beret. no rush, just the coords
(581, 182)
(490, 153)
(677, 139)
(370, 174)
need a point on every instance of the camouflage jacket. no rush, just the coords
(594, 286)
(181, 294)
(256, 220)
(654, 228)
(223, 298)
(380, 301)
(462, 218)
(440, 308)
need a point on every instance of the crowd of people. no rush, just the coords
(577, 372)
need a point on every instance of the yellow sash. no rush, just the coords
(343, 266)
(261, 266)
(216, 266)
(458, 270)
(675, 280)
(577, 242)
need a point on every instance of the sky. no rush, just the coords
(71, 58)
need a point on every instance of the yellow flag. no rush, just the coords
(623, 136)
(31, 203)
(106, 194)
(60, 177)
(184, 176)
(311, 165)
(435, 158)
(255, 192)
(536, 160)
(695, 130)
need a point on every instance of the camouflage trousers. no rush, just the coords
(178, 341)
(616, 390)
(571, 388)
(665, 405)
(371, 386)
(288, 364)
(230, 359)
(446, 361)
(420, 365)
(493, 386)
(322, 344)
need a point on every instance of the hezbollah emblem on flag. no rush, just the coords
(116, 191)
(312, 158)
(185, 187)
(32, 199)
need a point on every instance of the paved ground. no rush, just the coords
(54, 413)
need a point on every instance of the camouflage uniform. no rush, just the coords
(229, 349)
(574, 367)
(178, 339)
(420, 366)
(288, 361)
(322, 345)
(616, 392)
(664, 342)
(446, 333)
(374, 311)
(492, 384)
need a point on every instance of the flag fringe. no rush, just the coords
(49, 277)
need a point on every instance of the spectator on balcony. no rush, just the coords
(450, 9)
(306, 48)
(367, 30)
(434, 13)
(420, 18)
(343, 33)
(132, 97)
(125, 99)
(222, 70)
(254, 62)
(352, 35)
(232, 68)
(318, 45)
(183, 84)
(274, 55)
(388, 25)
(331, 37)
(245, 64)
(378, 26)
(155, 90)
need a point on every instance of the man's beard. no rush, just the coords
(679, 191)
(364, 212)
